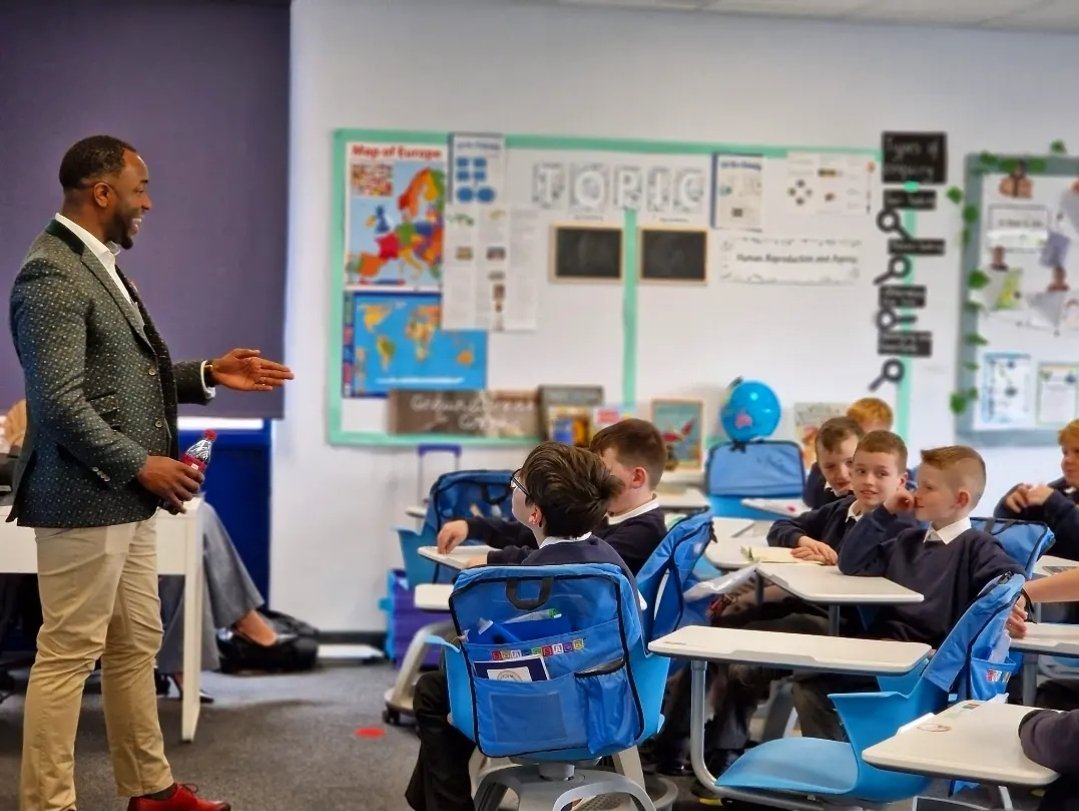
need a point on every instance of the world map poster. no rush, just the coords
(393, 341)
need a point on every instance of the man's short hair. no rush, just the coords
(961, 465)
(636, 443)
(571, 486)
(836, 431)
(886, 442)
(91, 159)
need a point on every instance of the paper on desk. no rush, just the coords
(772, 554)
(720, 585)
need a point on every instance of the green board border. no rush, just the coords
(968, 378)
(630, 320)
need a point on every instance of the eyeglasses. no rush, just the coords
(515, 481)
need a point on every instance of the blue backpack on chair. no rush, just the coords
(669, 573)
(1024, 541)
(757, 469)
(459, 494)
(584, 688)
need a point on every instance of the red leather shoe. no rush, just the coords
(183, 799)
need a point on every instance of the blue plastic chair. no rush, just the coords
(602, 694)
(459, 494)
(758, 469)
(669, 573)
(813, 767)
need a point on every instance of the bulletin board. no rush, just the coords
(1019, 351)
(790, 237)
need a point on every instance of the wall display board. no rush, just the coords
(1019, 354)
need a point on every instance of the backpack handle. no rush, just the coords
(529, 603)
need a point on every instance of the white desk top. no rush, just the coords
(1051, 564)
(417, 511)
(457, 558)
(834, 654)
(969, 741)
(826, 585)
(433, 596)
(731, 535)
(688, 498)
(1054, 638)
(786, 507)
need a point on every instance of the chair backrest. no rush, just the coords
(468, 493)
(668, 574)
(1024, 541)
(972, 662)
(572, 688)
(758, 469)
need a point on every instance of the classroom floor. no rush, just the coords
(273, 743)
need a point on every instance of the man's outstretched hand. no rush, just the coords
(247, 370)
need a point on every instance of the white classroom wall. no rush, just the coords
(457, 64)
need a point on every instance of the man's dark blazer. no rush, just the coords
(101, 389)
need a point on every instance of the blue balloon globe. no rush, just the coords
(751, 411)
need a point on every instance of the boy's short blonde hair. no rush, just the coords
(886, 442)
(962, 466)
(871, 411)
(1069, 433)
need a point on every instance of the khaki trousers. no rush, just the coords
(99, 601)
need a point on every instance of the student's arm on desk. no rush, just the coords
(787, 531)
(1051, 739)
(868, 545)
(499, 533)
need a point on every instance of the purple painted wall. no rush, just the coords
(200, 87)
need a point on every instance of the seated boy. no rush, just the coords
(816, 536)
(869, 414)
(949, 563)
(1053, 504)
(634, 452)
(559, 494)
(829, 478)
(1048, 737)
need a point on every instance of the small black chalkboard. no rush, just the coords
(913, 344)
(674, 254)
(584, 253)
(921, 157)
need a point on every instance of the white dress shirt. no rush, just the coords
(648, 506)
(99, 249)
(948, 533)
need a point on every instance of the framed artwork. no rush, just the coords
(681, 423)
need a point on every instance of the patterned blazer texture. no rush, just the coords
(101, 389)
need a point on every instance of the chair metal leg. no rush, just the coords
(539, 793)
(399, 697)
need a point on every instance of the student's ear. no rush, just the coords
(964, 499)
(639, 477)
(535, 516)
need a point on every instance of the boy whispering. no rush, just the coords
(948, 563)
(633, 452)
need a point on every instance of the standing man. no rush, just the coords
(100, 456)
